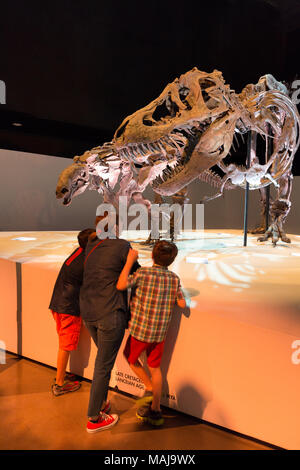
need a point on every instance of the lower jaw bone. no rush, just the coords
(198, 163)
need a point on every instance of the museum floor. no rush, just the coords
(32, 418)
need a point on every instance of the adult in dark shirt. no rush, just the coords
(65, 309)
(104, 311)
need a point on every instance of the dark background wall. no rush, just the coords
(73, 70)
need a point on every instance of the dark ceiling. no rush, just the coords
(73, 70)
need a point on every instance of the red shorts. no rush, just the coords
(134, 349)
(68, 330)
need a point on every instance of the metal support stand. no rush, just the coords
(267, 206)
(269, 153)
(249, 143)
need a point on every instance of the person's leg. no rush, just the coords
(142, 374)
(68, 329)
(151, 413)
(62, 361)
(156, 377)
(154, 354)
(133, 349)
(108, 342)
(91, 326)
(69, 333)
(93, 330)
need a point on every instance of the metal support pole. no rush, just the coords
(269, 153)
(267, 206)
(249, 142)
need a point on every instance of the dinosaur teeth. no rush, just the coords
(123, 154)
(132, 150)
(152, 148)
(160, 145)
(236, 139)
(126, 153)
(145, 148)
(170, 142)
(142, 150)
(167, 173)
(156, 146)
(179, 139)
(164, 140)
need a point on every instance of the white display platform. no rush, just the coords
(8, 306)
(231, 359)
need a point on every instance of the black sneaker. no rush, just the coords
(147, 415)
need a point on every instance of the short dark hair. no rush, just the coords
(164, 252)
(83, 236)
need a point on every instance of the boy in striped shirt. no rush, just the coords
(155, 292)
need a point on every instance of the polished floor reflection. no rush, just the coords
(32, 418)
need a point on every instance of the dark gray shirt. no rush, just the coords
(65, 297)
(99, 297)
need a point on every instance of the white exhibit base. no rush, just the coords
(232, 358)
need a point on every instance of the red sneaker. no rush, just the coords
(106, 408)
(104, 422)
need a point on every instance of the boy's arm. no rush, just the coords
(180, 300)
(123, 278)
(181, 303)
(136, 265)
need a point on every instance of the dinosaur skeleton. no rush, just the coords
(185, 132)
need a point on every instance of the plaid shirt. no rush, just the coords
(154, 296)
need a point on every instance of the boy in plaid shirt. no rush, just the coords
(155, 292)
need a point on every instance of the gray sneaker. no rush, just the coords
(67, 387)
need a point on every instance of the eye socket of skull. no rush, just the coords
(210, 101)
(183, 94)
(167, 109)
(206, 83)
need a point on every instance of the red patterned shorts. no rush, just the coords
(68, 330)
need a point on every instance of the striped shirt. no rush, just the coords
(155, 290)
